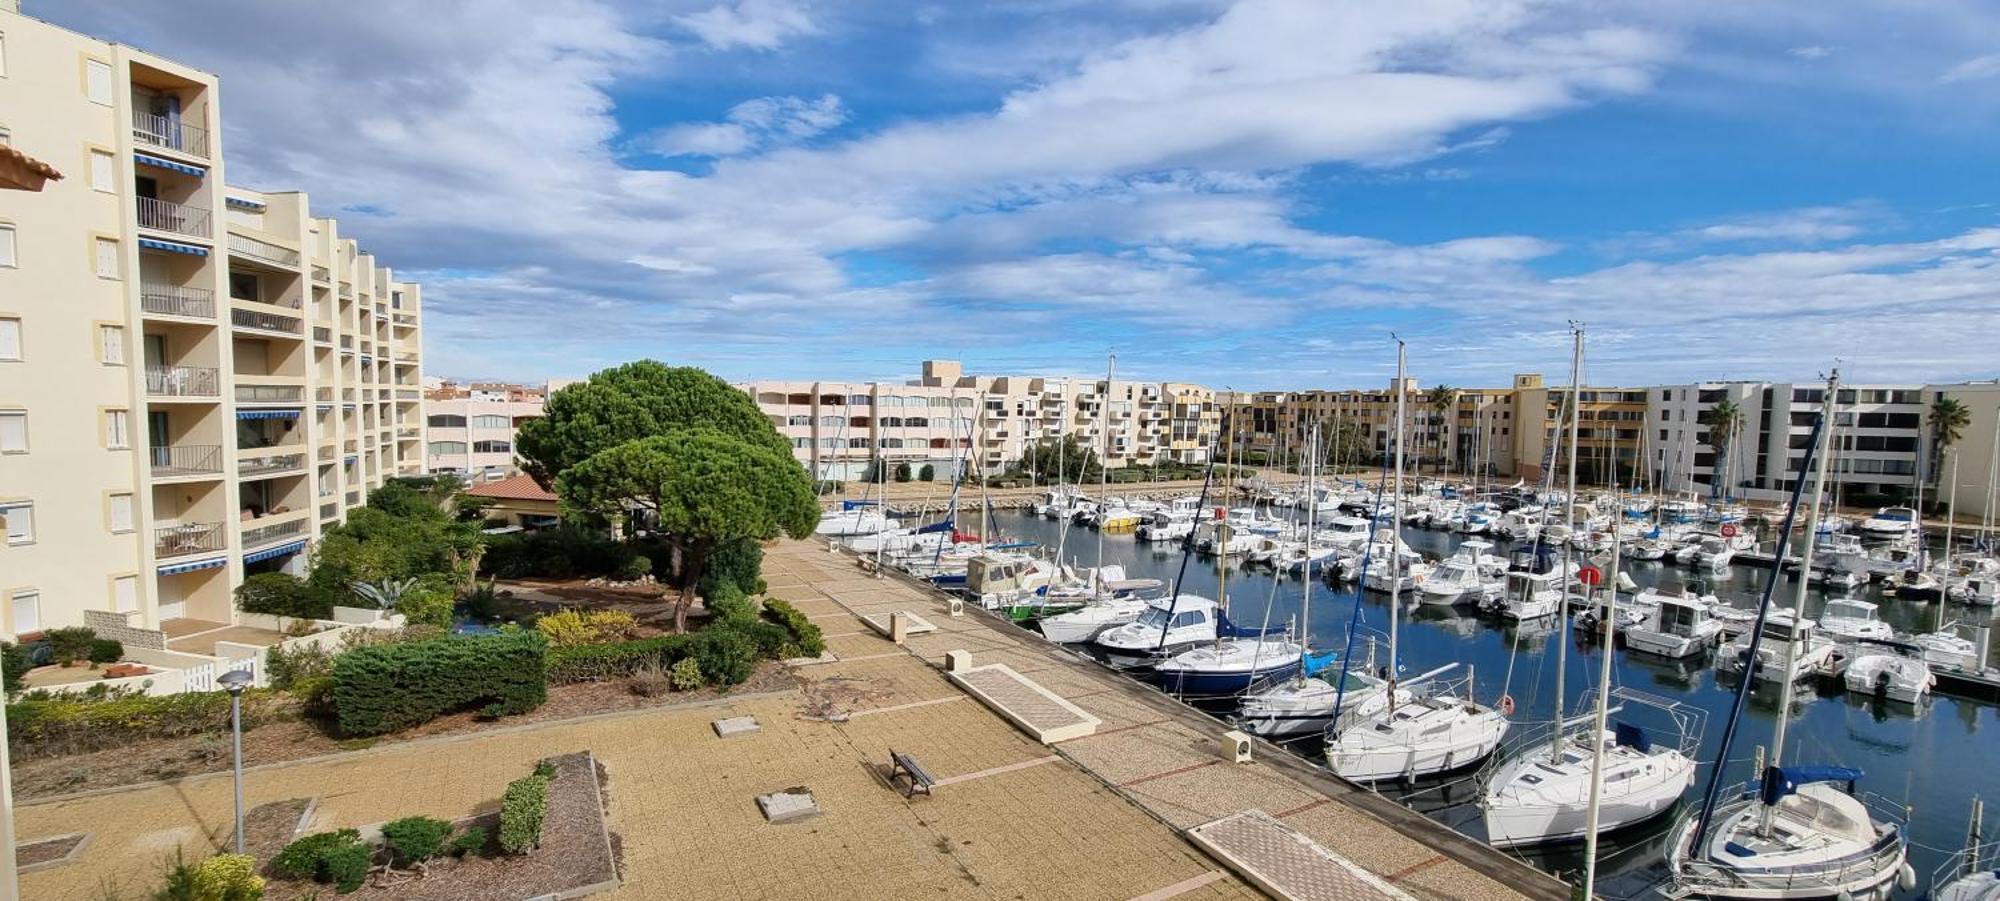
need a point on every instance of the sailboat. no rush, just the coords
(1804, 832)
(1440, 728)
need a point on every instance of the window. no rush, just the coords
(7, 258)
(111, 344)
(3, 54)
(97, 81)
(447, 421)
(447, 448)
(244, 286)
(27, 612)
(117, 429)
(13, 431)
(121, 513)
(491, 422)
(492, 447)
(103, 171)
(125, 594)
(10, 340)
(20, 516)
(107, 258)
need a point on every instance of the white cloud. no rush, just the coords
(1812, 51)
(752, 125)
(756, 24)
(1974, 69)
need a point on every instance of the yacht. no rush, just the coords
(1785, 639)
(1821, 842)
(1946, 649)
(1889, 669)
(1344, 533)
(1461, 579)
(1304, 705)
(1845, 619)
(1681, 625)
(1891, 522)
(1543, 795)
(999, 579)
(1166, 525)
(1166, 627)
(1084, 623)
(1229, 666)
(1440, 729)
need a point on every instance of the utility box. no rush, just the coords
(957, 661)
(1236, 745)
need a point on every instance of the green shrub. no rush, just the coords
(471, 841)
(522, 809)
(559, 553)
(633, 569)
(568, 628)
(732, 563)
(347, 867)
(384, 688)
(228, 877)
(286, 667)
(927, 473)
(806, 638)
(13, 665)
(413, 839)
(426, 607)
(105, 650)
(325, 857)
(726, 655)
(902, 472)
(686, 675)
(603, 662)
(71, 644)
(282, 594)
(69, 723)
(483, 604)
(728, 603)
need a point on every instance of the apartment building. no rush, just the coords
(1972, 463)
(473, 436)
(1877, 452)
(1610, 431)
(196, 379)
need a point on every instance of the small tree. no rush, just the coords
(926, 474)
(703, 488)
(902, 472)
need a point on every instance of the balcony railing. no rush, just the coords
(328, 511)
(270, 394)
(347, 290)
(176, 300)
(269, 322)
(265, 251)
(168, 216)
(275, 532)
(320, 274)
(353, 498)
(188, 538)
(322, 334)
(323, 394)
(186, 460)
(406, 356)
(171, 133)
(267, 465)
(351, 446)
(325, 452)
(183, 381)
(405, 318)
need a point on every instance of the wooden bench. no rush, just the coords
(902, 765)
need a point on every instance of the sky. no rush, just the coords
(1254, 194)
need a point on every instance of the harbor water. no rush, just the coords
(1931, 759)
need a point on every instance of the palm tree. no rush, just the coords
(1439, 399)
(1949, 417)
(1724, 420)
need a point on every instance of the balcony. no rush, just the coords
(267, 466)
(323, 394)
(186, 460)
(266, 322)
(179, 218)
(405, 318)
(347, 290)
(325, 452)
(354, 498)
(328, 511)
(351, 446)
(269, 394)
(273, 533)
(263, 251)
(176, 300)
(187, 539)
(320, 274)
(183, 381)
(322, 335)
(169, 133)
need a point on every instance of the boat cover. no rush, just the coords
(1319, 663)
(1780, 781)
(850, 505)
(1631, 736)
(940, 526)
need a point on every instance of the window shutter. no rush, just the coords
(27, 612)
(117, 429)
(103, 171)
(13, 432)
(97, 81)
(121, 513)
(125, 594)
(8, 259)
(107, 258)
(113, 343)
(10, 339)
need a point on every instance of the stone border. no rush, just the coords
(604, 834)
(1086, 724)
(65, 860)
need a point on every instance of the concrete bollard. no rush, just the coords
(1236, 745)
(899, 625)
(957, 661)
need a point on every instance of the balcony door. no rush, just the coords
(156, 349)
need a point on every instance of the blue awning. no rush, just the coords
(173, 247)
(243, 203)
(291, 547)
(168, 569)
(1780, 781)
(157, 162)
(270, 414)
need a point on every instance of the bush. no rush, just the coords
(384, 688)
(228, 877)
(426, 607)
(14, 664)
(347, 867)
(326, 857)
(569, 628)
(483, 604)
(728, 603)
(600, 662)
(71, 644)
(686, 675)
(806, 638)
(414, 839)
(732, 563)
(633, 569)
(559, 553)
(105, 650)
(726, 655)
(471, 841)
(71, 723)
(282, 594)
(926, 474)
(902, 472)
(650, 681)
(286, 667)
(522, 809)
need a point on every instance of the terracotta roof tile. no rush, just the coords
(513, 488)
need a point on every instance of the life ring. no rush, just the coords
(1506, 705)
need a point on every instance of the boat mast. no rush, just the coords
(1569, 527)
(1396, 526)
(1951, 508)
(1798, 601)
(1306, 567)
(1103, 471)
(1597, 730)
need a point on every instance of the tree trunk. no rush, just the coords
(691, 562)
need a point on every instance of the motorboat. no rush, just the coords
(998, 579)
(1978, 591)
(1822, 842)
(1916, 585)
(1891, 522)
(1681, 625)
(1166, 627)
(1304, 559)
(1084, 623)
(1543, 794)
(1344, 532)
(1645, 549)
(1846, 619)
(1714, 551)
(1946, 649)
(1785, 639)
(1889, 669)
(1463, 578)
(1533, 589)
(1440, 729)
(1166, 525)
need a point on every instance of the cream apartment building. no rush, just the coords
(473, 437)
(195, 379)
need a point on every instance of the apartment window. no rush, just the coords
(27, 612)
(117, 429)
(10, 340)
(491, 422)
(125, 594)
(6, 137)
(20, 516)
(107, 258)
(121, 513)
(111, 344)
(244, 286)
(103, 171)
(492, 447)
(447, 448)
(3, 54)
(13, 431)
(97, 81)
(447, 421)
(7, 258)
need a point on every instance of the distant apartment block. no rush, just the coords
(196, 379)
(473, 436)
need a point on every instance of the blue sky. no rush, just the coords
(1251, 193)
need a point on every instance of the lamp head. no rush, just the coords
(236, 680)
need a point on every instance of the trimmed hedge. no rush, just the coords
(281, 594)
(806, 638)
(523, 808)
(727, 652)
(66, 725)
(384, 688)
(603, 662)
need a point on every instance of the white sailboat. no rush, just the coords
(1543, 796)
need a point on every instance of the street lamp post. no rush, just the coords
(236, 681)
